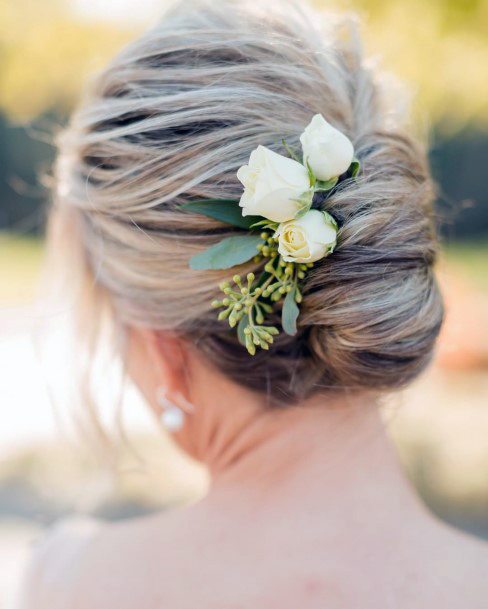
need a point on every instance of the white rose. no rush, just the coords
(273, 185)
(328, 151)
(308, 238)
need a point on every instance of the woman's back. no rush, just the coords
(199, 560)
(311, 539)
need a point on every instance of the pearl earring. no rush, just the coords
(172, 416)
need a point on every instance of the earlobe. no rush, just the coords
(157, 360)
(170, 362)
(170, 394)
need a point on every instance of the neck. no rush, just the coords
(328, 449)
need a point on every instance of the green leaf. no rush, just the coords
(240, 329)
(290, 313)
(269, 224)
(330, 219)
(321, 186)
(227, 253)
(305, 201)
(354, 167)
(292, 154)
(225, 210)
(311, 175)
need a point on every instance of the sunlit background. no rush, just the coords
(440, 426)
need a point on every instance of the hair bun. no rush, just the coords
(174, 117)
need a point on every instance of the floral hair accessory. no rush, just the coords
(283, 230)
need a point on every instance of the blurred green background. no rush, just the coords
(440, 49)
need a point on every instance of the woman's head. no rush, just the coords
(172, 119)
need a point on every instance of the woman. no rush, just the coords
(329, 302)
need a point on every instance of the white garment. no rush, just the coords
(50, 577)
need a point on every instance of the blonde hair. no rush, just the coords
(174, 116)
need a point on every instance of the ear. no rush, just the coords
(157, 359)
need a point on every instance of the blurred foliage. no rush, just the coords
(458, 166)
(45, 54)
(438, 46)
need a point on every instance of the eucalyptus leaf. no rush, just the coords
(227, 253)
(290, 313)
(240, 329)
(225, 210)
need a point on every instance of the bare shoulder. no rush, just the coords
(143, 562)
(459, 567)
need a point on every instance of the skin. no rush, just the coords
(308, 509)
